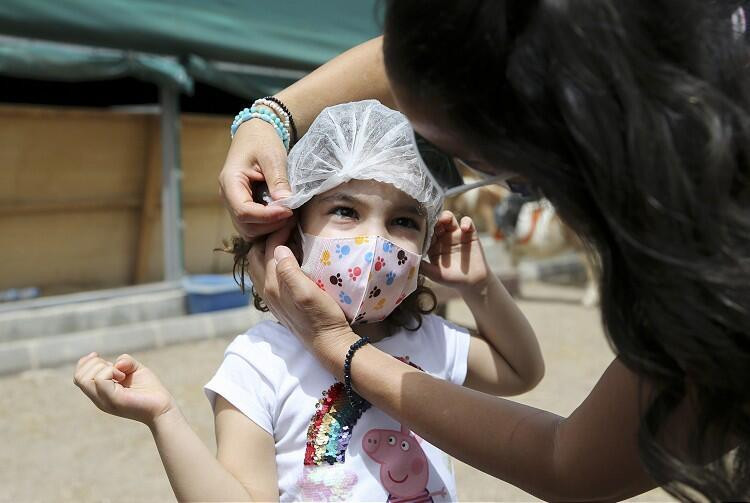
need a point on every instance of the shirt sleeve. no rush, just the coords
(457, 341)
(244, 379)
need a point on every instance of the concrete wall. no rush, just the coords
(72, 188)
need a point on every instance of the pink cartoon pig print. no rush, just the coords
(404, 469)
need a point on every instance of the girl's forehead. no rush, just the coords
(369, 191)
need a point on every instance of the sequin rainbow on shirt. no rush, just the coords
(332, 425)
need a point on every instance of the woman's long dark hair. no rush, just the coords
(632, 117)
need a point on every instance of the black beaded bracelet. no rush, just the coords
(289, 114)
(356, 400)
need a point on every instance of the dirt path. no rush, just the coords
(57, 447)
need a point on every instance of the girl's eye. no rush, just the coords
(406, 222)
(343, 212)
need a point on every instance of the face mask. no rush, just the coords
(368, 276)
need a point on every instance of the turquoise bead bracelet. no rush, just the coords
(264, 115)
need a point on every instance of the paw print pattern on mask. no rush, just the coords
(390, 277)
(375, 292)
(359, 240)
(402, 258)
(387, 247)
(379, 305)
(325, 257)
(359, 317)
(354, 273)
(336, 280)
(379, 263)
(400, 299)
(368, 257)
(321, 285)
(342, 250)
(344, 298)
(411, 272)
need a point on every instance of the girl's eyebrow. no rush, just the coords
(412, 209)
(340, 196)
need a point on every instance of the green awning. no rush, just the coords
(243, 47)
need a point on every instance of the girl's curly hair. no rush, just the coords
(408, 314)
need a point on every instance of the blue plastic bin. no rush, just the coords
(213, 292)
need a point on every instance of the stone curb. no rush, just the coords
(50, 351)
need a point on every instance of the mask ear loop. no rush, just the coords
(301, 234)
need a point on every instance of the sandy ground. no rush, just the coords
(56, 446)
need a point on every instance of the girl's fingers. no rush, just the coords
(453, 222)
(467, 224)
(118, 375)
(91, 371)
(445, 217)
(85, 358)
(126, 364)
(430, 270)
(105, 372)
(84, 367)
(105, 389)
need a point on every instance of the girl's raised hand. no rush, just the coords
(456, 256)
(124, 388)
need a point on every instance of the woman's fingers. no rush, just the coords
(256, 265)
(255, 155)
(273, 166)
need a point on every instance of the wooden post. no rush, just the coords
(150, 202)
(171, 183)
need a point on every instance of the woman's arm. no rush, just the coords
(244, 468)
(591, 455)
(357, 74)
(256, 153)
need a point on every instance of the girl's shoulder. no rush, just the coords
(267, 339)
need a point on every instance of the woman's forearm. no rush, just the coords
(592, 455)
(193, 471)
(355, 75)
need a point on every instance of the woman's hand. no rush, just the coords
(124, 388)
(456, 256)
(297, 302)
(255, 155)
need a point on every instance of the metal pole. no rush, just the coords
(171, 202)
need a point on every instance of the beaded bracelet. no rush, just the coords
(357, 401)
(269, 117)
(276, 109)
(274, 99)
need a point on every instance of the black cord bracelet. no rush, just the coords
(295, 137)
(357, 401)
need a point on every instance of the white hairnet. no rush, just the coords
(363, 140)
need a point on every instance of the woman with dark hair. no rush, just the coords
(633, 118)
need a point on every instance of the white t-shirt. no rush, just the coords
(323, 452)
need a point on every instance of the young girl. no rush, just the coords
(285, 428)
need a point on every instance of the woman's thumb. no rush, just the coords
(127, 364)
(288, 270)
(274, 173)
